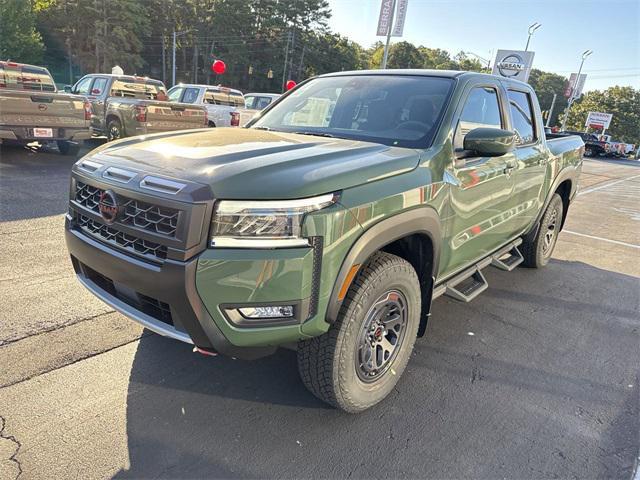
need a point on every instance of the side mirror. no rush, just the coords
(489, 142)
(67, 88)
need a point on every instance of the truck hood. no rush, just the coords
(239, 163)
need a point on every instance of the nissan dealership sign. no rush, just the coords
(514, 64)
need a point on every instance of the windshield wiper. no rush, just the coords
(316, 134)
(262, 128)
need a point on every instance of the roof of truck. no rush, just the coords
(209, 87)
(423, 72)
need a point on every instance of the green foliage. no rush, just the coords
(622, 102)
(545, 85)
(407, 55)
(19, 40)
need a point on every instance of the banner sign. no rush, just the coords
(401, 14)
(514, 64)
(598, 120)
(384, 20)
(579, 87)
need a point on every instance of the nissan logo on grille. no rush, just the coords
(109, 207)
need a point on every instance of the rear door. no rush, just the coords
(481, 206)
(531, 154)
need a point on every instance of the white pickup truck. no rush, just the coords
(222, 103)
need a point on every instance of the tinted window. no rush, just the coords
(82, 87)
(190, 95)
(26, 78)
(522, 117)
(98, 86)
(401, 110)
(481, 110)
(138, 88)
(224, 97)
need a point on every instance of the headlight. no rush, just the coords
(263, 224)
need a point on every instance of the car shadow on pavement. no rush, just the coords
(536, 378)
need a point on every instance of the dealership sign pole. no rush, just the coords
(574, 89)
(385, 23)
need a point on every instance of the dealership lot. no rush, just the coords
(538, 377)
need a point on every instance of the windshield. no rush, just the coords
(395, 110)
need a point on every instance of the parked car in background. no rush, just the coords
(31, 109)
(254, 103)
(124, 105)
(332, 221)
(616, 149)
(593, 147)
(222, 103)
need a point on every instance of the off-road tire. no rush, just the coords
(535, 252)
(113, 126)
(327, 364)
(68, 148)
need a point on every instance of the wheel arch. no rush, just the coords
(414, 235)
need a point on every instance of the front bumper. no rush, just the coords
(163, 298)
(25, 134)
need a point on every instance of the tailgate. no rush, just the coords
(174, 116)
(37, 109)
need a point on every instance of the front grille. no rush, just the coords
(112, 236)
(149, 305)
(149, 217)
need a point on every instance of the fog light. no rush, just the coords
(274, 311)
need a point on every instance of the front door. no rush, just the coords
(480, 215)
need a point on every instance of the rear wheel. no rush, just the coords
(360, 359)
(588, 152)
(538, 251)
(114, 130)
(68, 148)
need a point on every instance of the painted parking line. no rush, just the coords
(617, 242)
(607, 185)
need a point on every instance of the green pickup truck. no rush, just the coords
(329, 224)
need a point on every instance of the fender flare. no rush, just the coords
(568, 173)
(422, 220)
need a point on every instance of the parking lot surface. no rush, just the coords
(537, 378)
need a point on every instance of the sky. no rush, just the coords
(611, 28)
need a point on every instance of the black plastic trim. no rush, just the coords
(421, 220)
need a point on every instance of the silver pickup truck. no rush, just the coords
(123, 106)
(222, 103)
(31, 109)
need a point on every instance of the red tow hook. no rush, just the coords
(204, 351)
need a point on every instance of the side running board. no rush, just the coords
(470, 283)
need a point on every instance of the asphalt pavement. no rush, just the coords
(537, 378)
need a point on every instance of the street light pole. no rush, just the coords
(173, 74)
(532, 28)
(386, 46)
(585, 54)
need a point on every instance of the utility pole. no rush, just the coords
(532, 28)
(585, 54)
(286, 58)
(70, 62)
(386, 45)
(301, 66)
(173, 73)
(164, 62)
(553, 104)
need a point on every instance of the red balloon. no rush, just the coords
(218, 67)
(290, 84)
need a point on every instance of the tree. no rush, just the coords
(545, 85)
(19, 40)
(622, 102)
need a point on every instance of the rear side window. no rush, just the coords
(481, 110)
(522, 117)
(26, 78)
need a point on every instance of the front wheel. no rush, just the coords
(537, 252)
(360, 359)
(588, 152)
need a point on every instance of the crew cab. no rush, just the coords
(31, 109)
(123, 106)
(254, 104)
(330, 223)
(222, 103)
